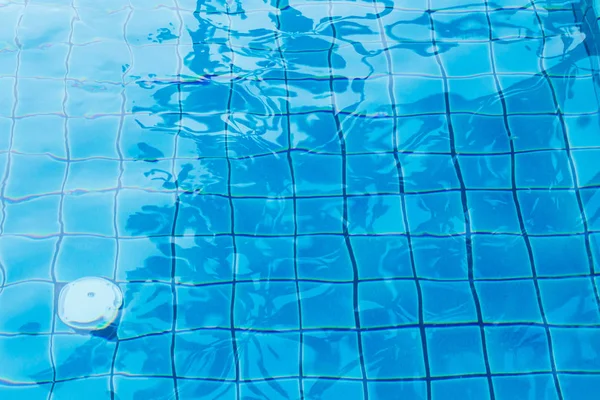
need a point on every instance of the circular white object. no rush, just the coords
(89, 303)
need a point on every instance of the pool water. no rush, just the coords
(359, 200)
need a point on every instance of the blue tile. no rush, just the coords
(204, 306)
(407, 58)
(148, 308)
(264, 258)
(205, 354)
(448, 302)
(310, 96)
(572, 93)
(206, 390)
(538, 98)
(550, 212)
(38, 216)
(595, 248)
(203, 259)
(23, 367)
(427, 133)
(514, 24)
(367, 134)
(543, 169)
(363, 96)
(416, 390)
(327, 305)
(478, 93)
(536, 132)
(40, 134)
(39, 96)
(526, 386)
(328, 389)
(461, 389)
(248, 135)
(591, 207)
(509, 301)
(141, 213)
(467, 59)
(208, 176)
(418, 95)
(149, 355)
(101, 205)
(319, 215)
(331, 354)
(144, 258)
(96, 388)
(147, 142)
(569, 301)
(25, 258)
(388, 303)
(435, 214)
(455, 351)
(581, 387)
(39, 391)
(517, 55)
(274, 170)
(486, 172)
(517, 349)
(317, 132)
(266, 305)
(324, 258)
(264, 216)
(154, 176)
(580, 130)
(562, 255)
(493, 212)
(202, 214)
(23, 179)
(427, 172)
(406, 26)
(317, 174)
(92, 175)
(500, 256)
(263, 353)
(586, 167)
(372, 173)
(375, 214)
(271, 389)
(138, 388)
(576, 349)
(93, 138)
(76, 356)
(479, 134)
(90, 99)
(27, 308)
(440, 257)
(393, 354)
(454, 25)
(382, 256)
(81, 256)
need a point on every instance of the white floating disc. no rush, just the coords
(89, 303)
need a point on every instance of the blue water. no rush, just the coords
(358, 200)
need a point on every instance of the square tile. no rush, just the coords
(393, 354)
(407, 59)
(129, 387)
(586, 167)
(324, 257)
(467, 59)
(23, 178)
(23, 367)
(455, 351)
(93, 256)
(509, 301)
(149, 355)
(486, 172)
(382, 256)
(148, 308)
(310, 96)
(371, 173)
(204, 306)
(77, 355)
(27, 308)
(319, 215)
(207, 176)
(366, 134)
(264, 216)
(317, 174)
(334, 389)
(40, 134)
(493, 212)
(375, 214)
(388, 303)
(550, 212)
(517, 349)
(406, 26)
(204, 354)
(38, 216)
(147, 139)
(364, 96)
(480, 134)
(93, 138)
(274, 170)
(203, 259)
(101, 205)
(440, 257)
(560, 255)
(447, 302)
(514, 24)
(423, 133)
(532, 385)
(536, 132)
(428, 172)
(532, 94)
(140, 213)
(419, 95)
(156, 176)
(90, 99)
(265, 305)
(572, 92)
(500, 256)
(144, 258)
(246, 136)
(543, 169)
(591, 208)
(383, 390)
(39, 96)
(263, 354)
(327, 305)
(576, 349)
(265, 258)
(196, 389)
(570, 301)
(479, 94)
(95, 388)
(203, 214)
(514, 56)
(331, 354)
(92, 175)
(578, 386)
(435, 214)
(26, 258)
(461, 389)
(103, 60)
(579, 130)
(452, 26)
(316, 131)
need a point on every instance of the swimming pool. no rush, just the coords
(302, 199)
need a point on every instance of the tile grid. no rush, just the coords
(519, 212)
(465, 207)
(288, 127)
(402, 193)
(345, 220)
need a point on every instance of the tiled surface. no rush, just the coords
(301, 200)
